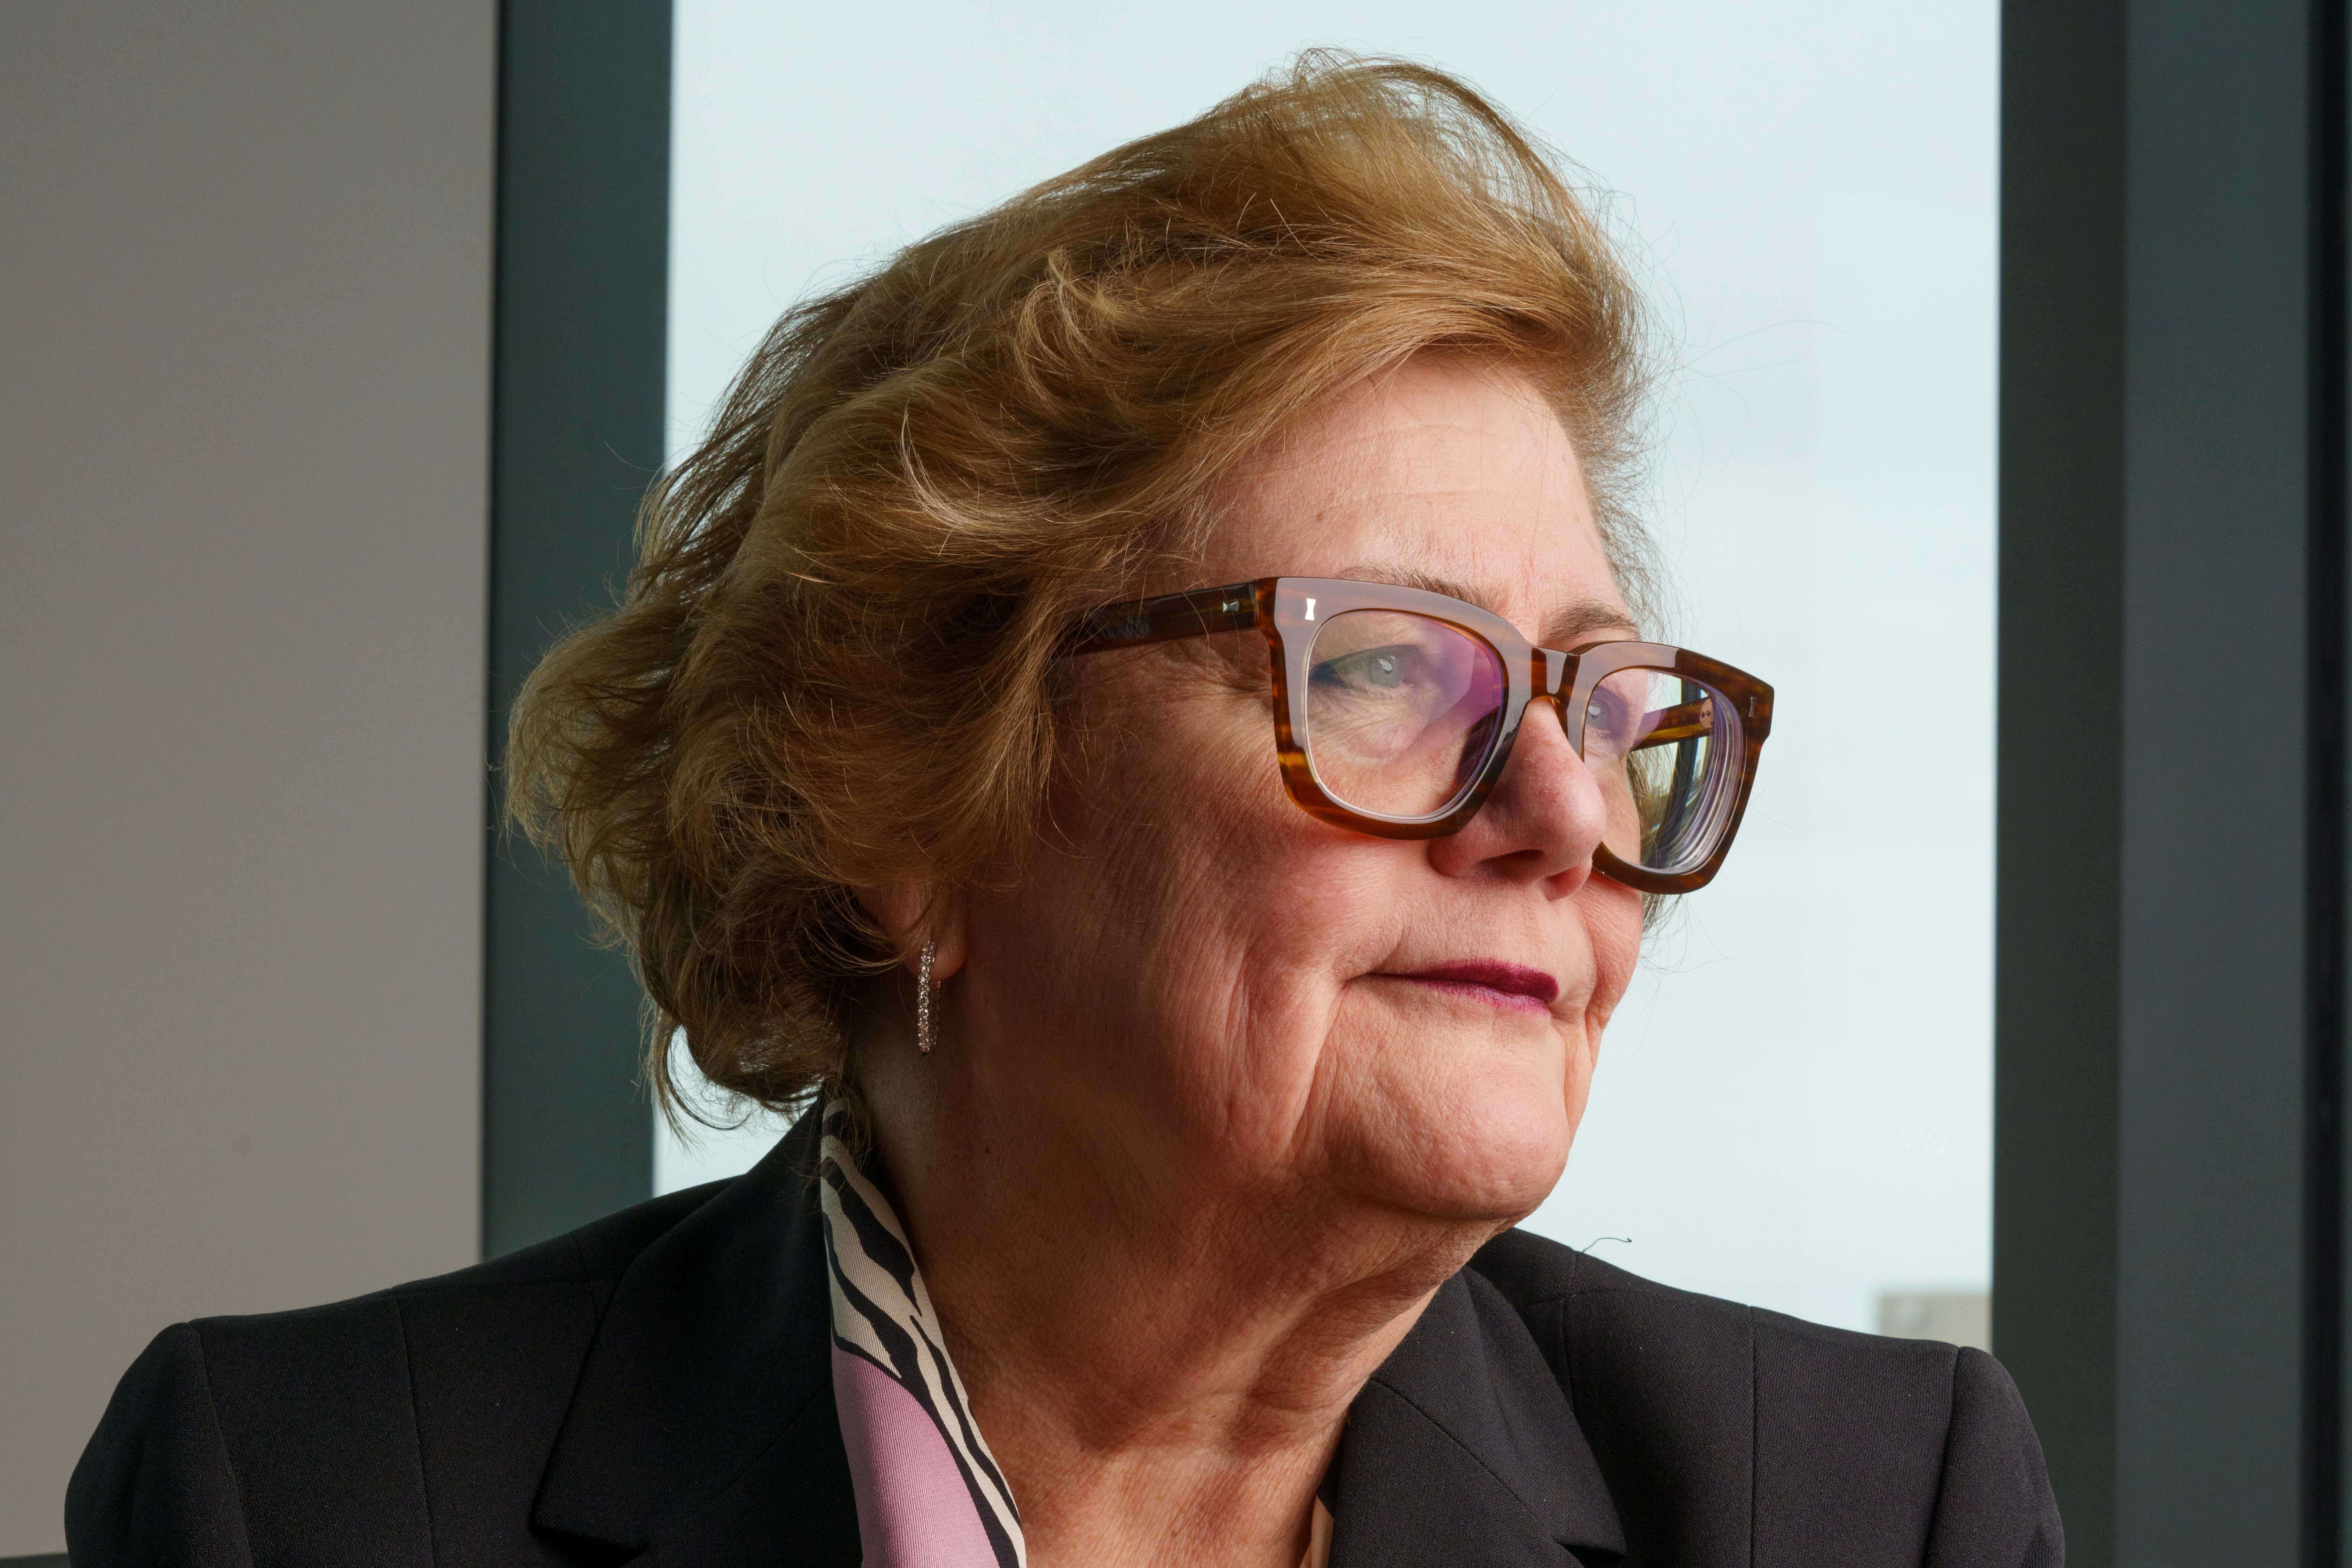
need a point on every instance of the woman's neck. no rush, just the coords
(1160, 1358)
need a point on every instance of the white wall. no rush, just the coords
(243, 440)
(1795, 1107)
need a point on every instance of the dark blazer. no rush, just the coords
(656, 1388)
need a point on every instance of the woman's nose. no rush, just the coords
(1544, 819)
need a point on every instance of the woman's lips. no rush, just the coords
(1512, 985)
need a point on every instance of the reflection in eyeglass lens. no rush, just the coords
(1401, 710)
(1656, 743)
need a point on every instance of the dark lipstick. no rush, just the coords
(1506, 984)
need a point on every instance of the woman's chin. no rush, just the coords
(1490, 1154)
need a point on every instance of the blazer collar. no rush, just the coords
(703, 1428)
(1464, 1448)
(703, 1420)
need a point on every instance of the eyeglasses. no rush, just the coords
(1396, 709)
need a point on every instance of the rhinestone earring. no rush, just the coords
(924, 1040)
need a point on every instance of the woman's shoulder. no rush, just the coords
(1717, 1418)
(1614, 1308)
(312, 1421)
(585, 1263)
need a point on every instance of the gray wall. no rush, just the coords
(244, 421)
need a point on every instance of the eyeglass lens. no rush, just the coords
(1403, 712)
(1664, 749)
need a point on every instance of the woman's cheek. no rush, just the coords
(1613, 922)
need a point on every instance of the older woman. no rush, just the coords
(1138, 717)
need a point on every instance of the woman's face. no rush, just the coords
(1198, 984)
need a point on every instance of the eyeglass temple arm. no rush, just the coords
(1683, 721)
(1167, 618)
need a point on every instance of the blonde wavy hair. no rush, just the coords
(834, 663)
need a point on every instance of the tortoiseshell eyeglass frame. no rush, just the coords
(1290, 610)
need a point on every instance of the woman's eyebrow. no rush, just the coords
(1580, 618)
(1562, 628)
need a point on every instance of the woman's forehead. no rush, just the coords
(1549, 611)
(1457, 476)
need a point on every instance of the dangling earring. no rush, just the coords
(923, 1038)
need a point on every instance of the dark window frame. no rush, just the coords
(2170, 924)
(579, 351)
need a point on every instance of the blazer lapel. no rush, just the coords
(703, 1426)
(1463, 1448)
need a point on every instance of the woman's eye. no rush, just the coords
(1379, 668)
(1607, 717)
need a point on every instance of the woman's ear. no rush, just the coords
(913, 913)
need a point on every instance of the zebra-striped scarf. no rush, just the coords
(928, 1493)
